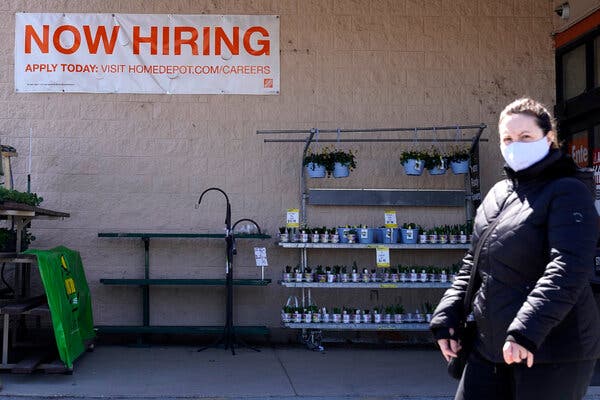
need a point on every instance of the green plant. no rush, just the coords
(288, 269)
(337, 310)
(288, 309)
(409, 225)
(346, 158)
(458, 154)
(352, 232)
(282, 229)
(393, 270)
(31, 199)
(8, 239)
(320, 158)
(399, 309)
(434, 159)
(428, 308)
(412, 155)
(389, 309)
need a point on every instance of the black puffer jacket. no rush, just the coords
(534, 267)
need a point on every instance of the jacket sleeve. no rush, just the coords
(449, 312)
(572, 225)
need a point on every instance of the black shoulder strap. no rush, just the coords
(475, 280)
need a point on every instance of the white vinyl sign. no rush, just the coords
(147, 53)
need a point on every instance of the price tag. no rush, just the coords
(383, 257)
(260, 253)
(293, 218)
(390, 219)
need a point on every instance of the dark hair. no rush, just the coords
(535, 109)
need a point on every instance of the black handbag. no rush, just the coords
(467, 330)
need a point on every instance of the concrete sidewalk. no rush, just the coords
(170, 372)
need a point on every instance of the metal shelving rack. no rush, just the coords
(471, 200)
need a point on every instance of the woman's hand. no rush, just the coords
(515, 353)
(449, 347)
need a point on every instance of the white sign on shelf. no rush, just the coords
(390, 219)
(260, 254)
(383, 256)
(293, 218)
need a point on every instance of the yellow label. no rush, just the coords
(293, 218)
(388, 286)
(383, 257)
(70, 286)
(390, 219)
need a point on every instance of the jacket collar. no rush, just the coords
(555, 164)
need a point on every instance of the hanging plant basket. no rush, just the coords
(316, 170)
(340, 170)
(460, 167)
(413, 162)
(459, 161)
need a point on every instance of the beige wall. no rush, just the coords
(578, 9)
(139, 162)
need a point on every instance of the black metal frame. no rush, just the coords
(582, 112)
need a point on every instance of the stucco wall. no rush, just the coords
(139, 162)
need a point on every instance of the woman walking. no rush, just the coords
(537, 324)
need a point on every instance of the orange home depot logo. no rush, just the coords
(268, 83)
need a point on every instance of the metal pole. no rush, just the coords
(370, 130)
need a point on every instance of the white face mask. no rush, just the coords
(522, 155)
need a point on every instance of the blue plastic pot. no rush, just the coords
(414, 167)
(437, 171)
(342, 233)
(388, 235)
(316, 170)
(460, 167)
(409, 236)
(366, 235)
(340, 170)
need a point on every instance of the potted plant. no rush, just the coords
(297, 316)
(343, 162)
(346, 315)
(287, 274)
(418, 316)
(304, 234)
(365, 276)
(389, 311)
(433, 236)
(316, 163)
(298, 275)
(413, 162)
(365, 234)
(315, 235)
(462, 236)
(8, 240)
(443, 276)
(443, 234)
(330, 275)
(366, 317)
(324, 315)
(357, 316)
(344, 275)
(454, 233)
(459, 160)
(307, 316)
(10, 195)
(351, 236)
(394, 275)
(388, 235)
(316, 316)
(284, 237)
(333, 235)
(413, 275)
(403, 275)
(422, 236)
(337, 315)
(409, 233)
(428, 309)
(377, 315)
(286, 314)
(355, 273)
(385, 277)
(374, 277)
(321, 276)
(398, 313)
(308, 275)
(324, 235)
(423, 276)
(435, 162)
(343, 233)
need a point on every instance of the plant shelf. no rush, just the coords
(370, 285)
(358, 246)
(409, 326)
